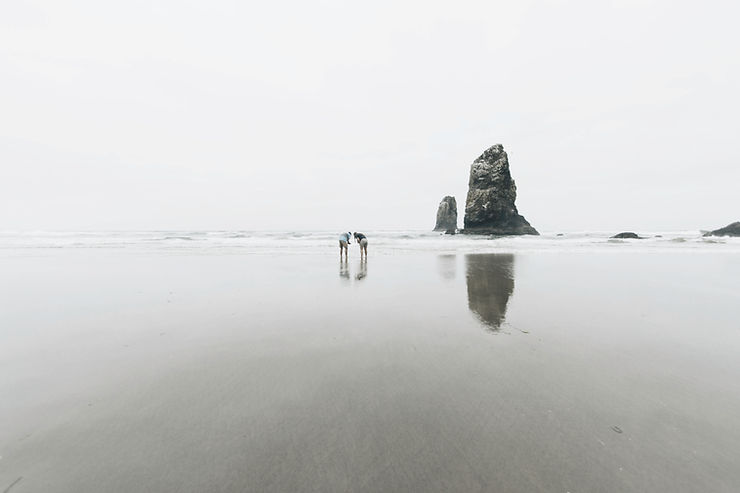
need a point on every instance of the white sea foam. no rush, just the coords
(381, 242)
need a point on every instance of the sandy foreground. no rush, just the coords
(150, 372)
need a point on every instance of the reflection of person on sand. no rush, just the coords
(490, 280)
(363, 270)
(362, 241)
(343, 269)
(343, 244)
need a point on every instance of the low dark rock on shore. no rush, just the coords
(729, 230)
(629, 235)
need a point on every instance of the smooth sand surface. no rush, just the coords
(134, 372)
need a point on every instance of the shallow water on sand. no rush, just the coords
(140, 371)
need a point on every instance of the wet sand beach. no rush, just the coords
(133, 371)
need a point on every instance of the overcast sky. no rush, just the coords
(174, 114)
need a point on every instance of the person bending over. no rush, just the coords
(362, 241)
(343, 244)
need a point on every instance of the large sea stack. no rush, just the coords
(490, 207)
(447, 215)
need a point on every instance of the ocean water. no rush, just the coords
(381, 242)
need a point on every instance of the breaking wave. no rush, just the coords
(381, 242)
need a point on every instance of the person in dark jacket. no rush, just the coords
(361, 240)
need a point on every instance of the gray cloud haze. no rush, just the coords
(362, 115)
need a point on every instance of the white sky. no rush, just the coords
(175, 114)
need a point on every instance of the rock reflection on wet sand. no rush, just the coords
(490, 282)
(447, 266)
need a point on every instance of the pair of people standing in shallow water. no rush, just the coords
(344, 240)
